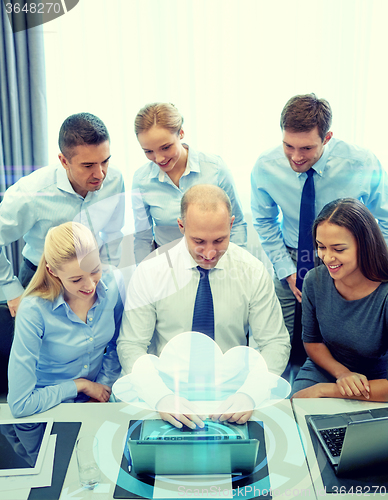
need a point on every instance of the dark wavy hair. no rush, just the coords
(372, 251)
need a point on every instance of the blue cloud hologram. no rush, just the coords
(193, 367)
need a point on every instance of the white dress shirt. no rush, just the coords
(161, 297)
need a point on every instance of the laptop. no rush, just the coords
(353, 441)
(157, 447)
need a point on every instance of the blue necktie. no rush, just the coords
(201, 367)
(203, 316)
(306, 220)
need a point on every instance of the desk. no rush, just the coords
(304, 407)
(288, 470)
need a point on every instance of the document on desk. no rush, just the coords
(16, 494)
(26, 482)
(203, 486)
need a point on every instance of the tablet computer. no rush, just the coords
(23, 446)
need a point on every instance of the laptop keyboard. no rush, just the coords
(198, 437)
(334, 439)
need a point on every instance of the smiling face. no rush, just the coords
(303, 149)
(337, 248)
(88, 167)
(207, 233)
(164, 148)
(80, 279)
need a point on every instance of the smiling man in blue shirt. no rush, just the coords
(80, 188)
(278, 177)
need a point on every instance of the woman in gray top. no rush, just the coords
(345, 307)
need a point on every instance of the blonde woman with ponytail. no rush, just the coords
(64, 348)
(173, 167)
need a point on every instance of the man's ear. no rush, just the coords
(50, 271)
(328, 136)
(65, 162)
(181, 133)
(181, 226)
(231, 221)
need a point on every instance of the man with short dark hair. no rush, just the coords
(80, 188)
(335, 169)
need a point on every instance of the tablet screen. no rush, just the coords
(23, 446)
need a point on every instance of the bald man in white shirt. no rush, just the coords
(162, 292)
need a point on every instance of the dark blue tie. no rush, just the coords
(203, 316)
(201, 367)
(306, 220)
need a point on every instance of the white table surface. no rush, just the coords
(306, 406)
(288, 472)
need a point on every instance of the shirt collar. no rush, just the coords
(192, 166)
(154, 171)
(63, 184)
(100, 292)
(320, 165)
(193, 159)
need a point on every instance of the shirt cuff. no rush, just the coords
(68, 390)
(11, 290)
(284, 268)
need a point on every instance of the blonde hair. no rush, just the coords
(161, 114)
(63, 243)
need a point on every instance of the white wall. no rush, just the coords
(229, 66)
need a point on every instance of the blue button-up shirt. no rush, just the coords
(343, 171)
(53, 347)
(45, 199)
(156, 200)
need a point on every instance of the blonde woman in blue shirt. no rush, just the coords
(66, 327)
(173, 168)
